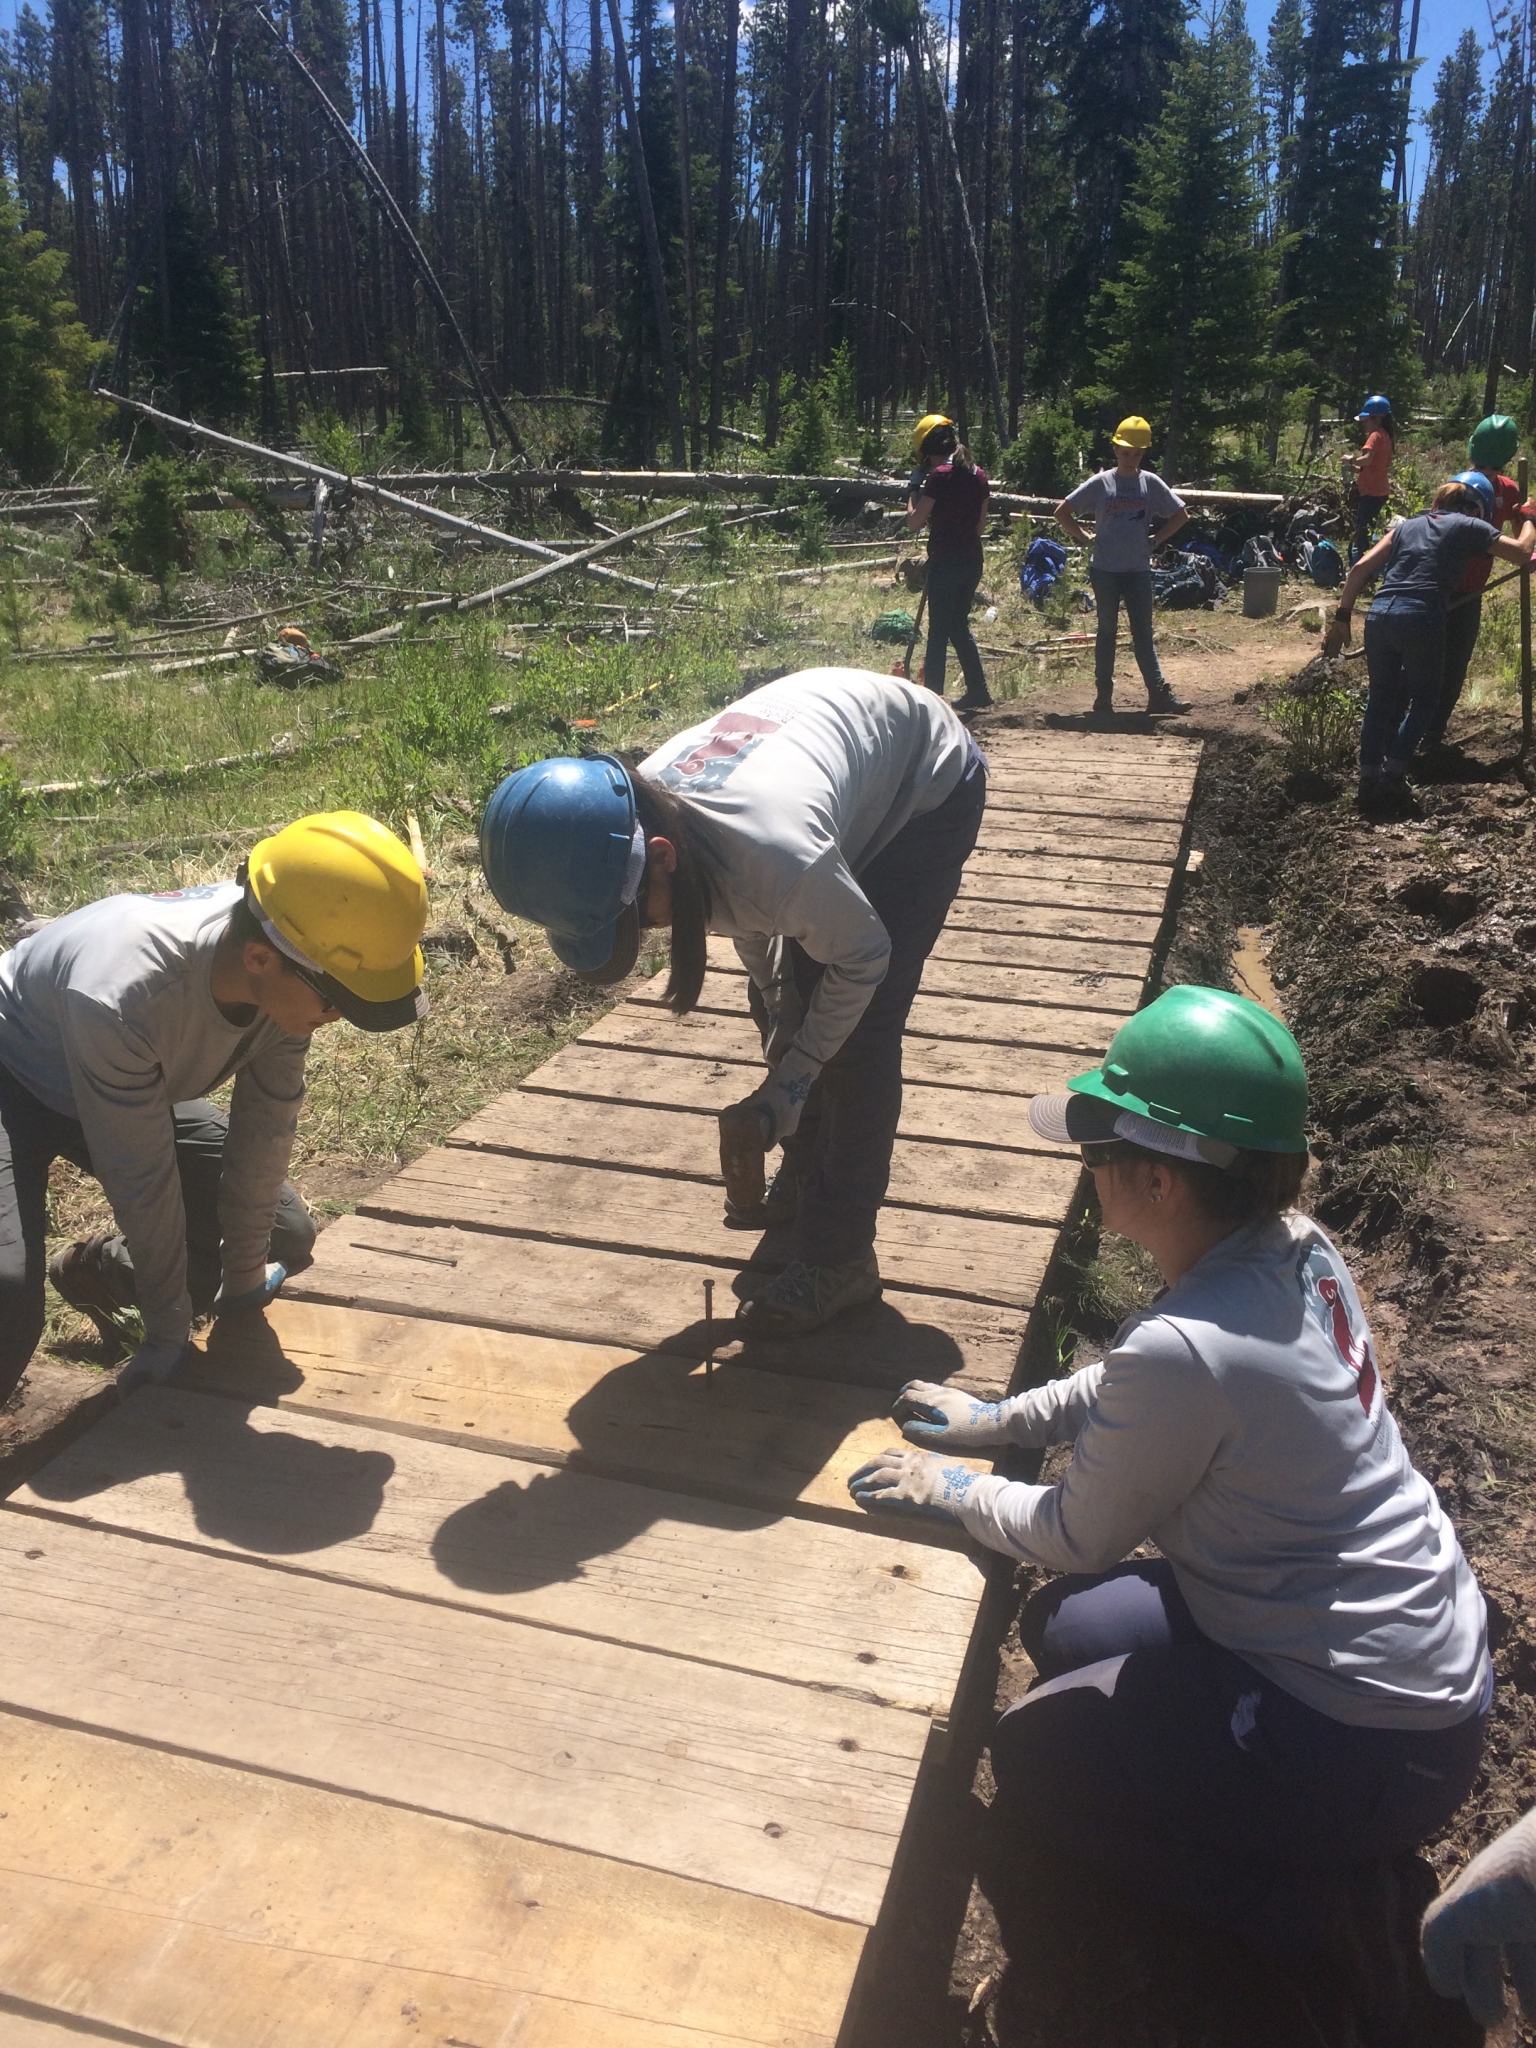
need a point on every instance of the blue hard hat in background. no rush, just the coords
(1476, 481)
(557, 844)
(1374, 407)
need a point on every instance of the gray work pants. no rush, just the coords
(32, 1136)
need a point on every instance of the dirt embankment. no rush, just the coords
(1405, 960)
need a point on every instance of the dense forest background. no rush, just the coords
(780, 218)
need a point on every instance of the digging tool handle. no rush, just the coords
(1522, 478)
(744, 1141)
(917, 627)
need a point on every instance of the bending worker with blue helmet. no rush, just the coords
(1257, 1725)
(821, 822)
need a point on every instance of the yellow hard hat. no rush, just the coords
(1132, 433)
(341, 897)
(925, 427)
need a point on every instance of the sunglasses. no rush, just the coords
(1103, 1152)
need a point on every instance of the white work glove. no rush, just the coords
(1490, 1908)
(785, 1090)
(911, 1483)
(152, 1364)
(255, 1289)
(946, 1419)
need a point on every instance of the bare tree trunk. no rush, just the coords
(725, 193)
(796, 14)
(685, 197)
(642, 176)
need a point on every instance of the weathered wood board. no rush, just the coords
(951, 1062)
(657, 1760)
(609, 1297)
(969, 1180)
(756, 1439)
(979, 1259)
(1053, 989)
(965, 1103)
(175, 1899)
(635, 1565)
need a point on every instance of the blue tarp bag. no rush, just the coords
(1042, 569)
(1325, 565)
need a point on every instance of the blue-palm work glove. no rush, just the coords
(151, 1365)
(911, 1483)
(240, 1291)
(947, 1419)
(1490, 1908)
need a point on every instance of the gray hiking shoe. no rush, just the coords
(804, 1298)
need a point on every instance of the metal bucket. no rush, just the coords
(1261, 592)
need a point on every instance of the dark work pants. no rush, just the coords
(1133, 588)
(951, 587)
(841, 1149)
(1367, 512)
(1189, 1777)
(32, 1136)
(1463, 623)
(1405, 660)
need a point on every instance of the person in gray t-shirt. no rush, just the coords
(1124, 504)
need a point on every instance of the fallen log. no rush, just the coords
(688, 483)
(446, 522)
(283, 749)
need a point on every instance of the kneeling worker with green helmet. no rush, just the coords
(117, 1019)
(1261, 1723)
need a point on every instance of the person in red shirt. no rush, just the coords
(1372, 467)
(949, 496)
(1494, 441)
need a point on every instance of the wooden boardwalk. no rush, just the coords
(460, 1658)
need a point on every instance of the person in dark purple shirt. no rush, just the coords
(949, 497)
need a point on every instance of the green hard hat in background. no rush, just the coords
(1494, 440)
(1209, 1063)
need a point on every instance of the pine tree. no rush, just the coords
(1343, 311)
(1187, 318)
(45, 355)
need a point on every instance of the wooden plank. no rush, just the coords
(213, 1908)
(731, 1035)
(1087, 958)
(782, 1597)
(1046, 867)
(648, 1304)
(1095, 924)
(1000, 1018)
(725, 988)
(1057, 894)
(970, 1180)
(758, 1439)
(1045, 797)
(1117, 840)
(771, 1789)
(970, 1100)
(534, 1202)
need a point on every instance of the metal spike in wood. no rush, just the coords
(448, 522)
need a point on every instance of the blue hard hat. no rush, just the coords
(560, 845)
(1374, 407)
(1476, 481)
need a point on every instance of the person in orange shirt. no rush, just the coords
(1372, 467)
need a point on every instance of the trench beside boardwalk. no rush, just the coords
(486, 1646)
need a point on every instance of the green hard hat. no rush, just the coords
(1212, 1067)
(1494, 440)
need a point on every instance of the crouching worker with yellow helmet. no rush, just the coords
(117, 1019)
(1260, 1724)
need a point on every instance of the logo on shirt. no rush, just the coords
(204, 889)
(732, 737)
(1331, 1307)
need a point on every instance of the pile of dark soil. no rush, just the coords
(1405, 958)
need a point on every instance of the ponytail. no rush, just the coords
(662, 815)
